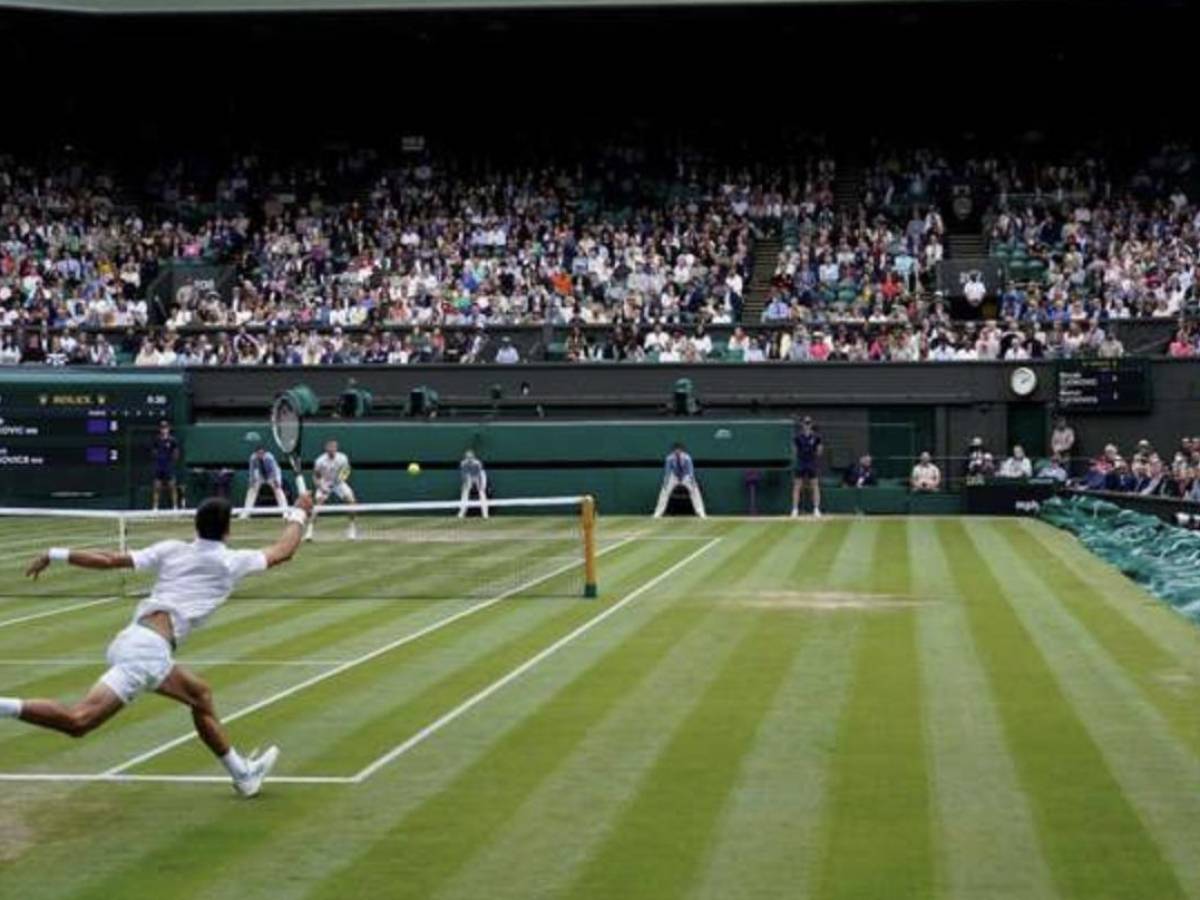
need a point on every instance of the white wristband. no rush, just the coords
(296, 516)
(59, 554)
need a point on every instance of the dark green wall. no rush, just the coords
(618, 462)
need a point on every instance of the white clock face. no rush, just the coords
(1023, 381)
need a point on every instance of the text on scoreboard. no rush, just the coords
(81, 437)
(1105, 385)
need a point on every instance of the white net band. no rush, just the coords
(560, 504)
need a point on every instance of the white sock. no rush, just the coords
(234, 764)
(10, 707)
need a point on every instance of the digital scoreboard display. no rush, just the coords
(1105, 385)
(68, 437)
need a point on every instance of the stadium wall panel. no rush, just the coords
(618, 462)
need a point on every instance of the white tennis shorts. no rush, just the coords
(140, 660)
(339, 489)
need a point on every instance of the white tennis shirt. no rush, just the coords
(329, 469)
(194, 579)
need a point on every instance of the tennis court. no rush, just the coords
(978, 708)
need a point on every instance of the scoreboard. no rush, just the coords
(1105, 385)
(81, 440)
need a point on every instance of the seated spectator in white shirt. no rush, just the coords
(926, 476)
(1017, 465)
(657, 339)
(739, 340)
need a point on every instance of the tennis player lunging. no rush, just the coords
(194, 579)
(332, 471)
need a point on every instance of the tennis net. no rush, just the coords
(420, 550)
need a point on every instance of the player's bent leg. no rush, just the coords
(192, 691)
(347, 496)
(100, 705)
(664, 496)
(251, 499)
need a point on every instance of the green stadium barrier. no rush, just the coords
(501, 443)
(620, 463)
(1163, 558)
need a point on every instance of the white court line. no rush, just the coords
(474, 700)
(352, 663)
(173, 779)
(56, 611)
(672, 537)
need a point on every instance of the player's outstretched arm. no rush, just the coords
(85, 559)
(293, 532)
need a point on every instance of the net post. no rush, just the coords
(122, 534)
(587, 519)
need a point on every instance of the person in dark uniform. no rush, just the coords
(165, 453)
(861, 474)
(808, 453)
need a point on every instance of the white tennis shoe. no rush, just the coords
(257, 769)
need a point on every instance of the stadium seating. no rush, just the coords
(393, 261)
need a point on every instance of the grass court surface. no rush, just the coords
(848, 708)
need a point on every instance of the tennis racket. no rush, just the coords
(287, 425)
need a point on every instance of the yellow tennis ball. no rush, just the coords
(414, 468)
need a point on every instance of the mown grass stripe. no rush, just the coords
(1157, 772)
(672, 821)
(598, 776)
(1092, 839)
(984, 834)
(878, 826)
(656, 849)
(814, 565)
(1145, 663)
(769, 837)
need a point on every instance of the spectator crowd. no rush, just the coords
(367, 259)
